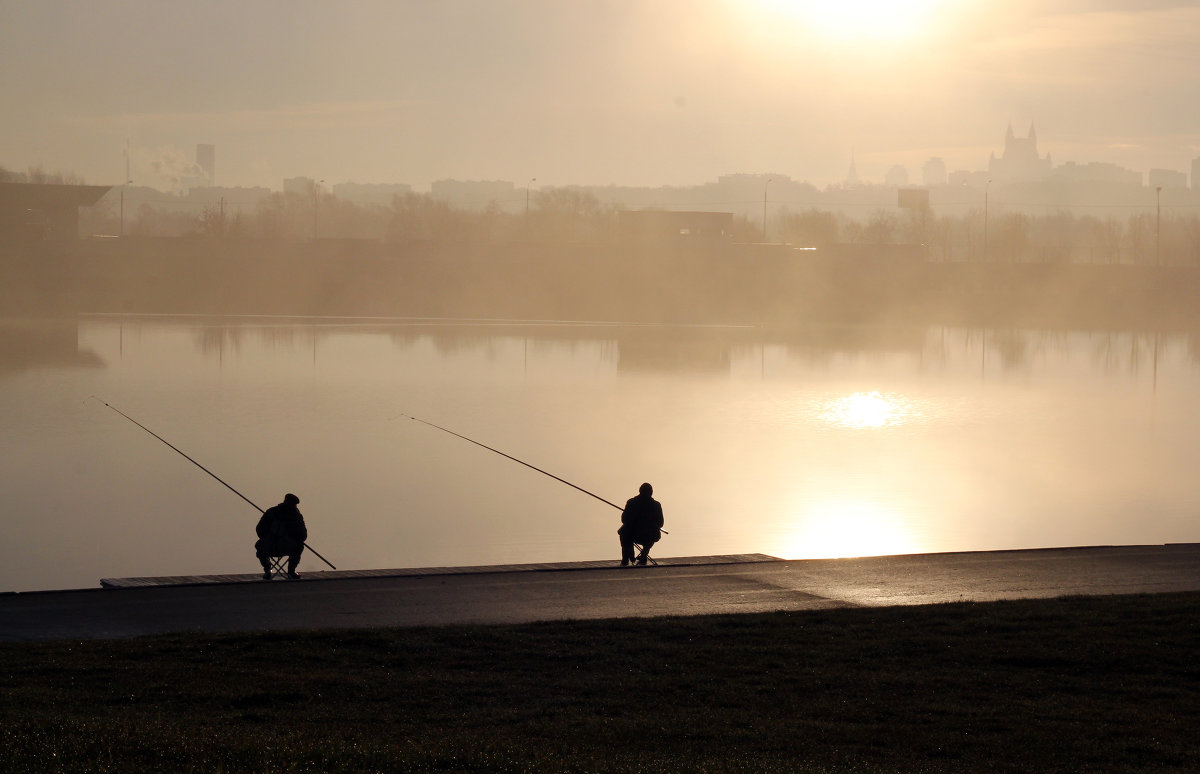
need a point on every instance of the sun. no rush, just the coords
(850, 20)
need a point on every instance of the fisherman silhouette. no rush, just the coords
(641, 523)
(281, 532)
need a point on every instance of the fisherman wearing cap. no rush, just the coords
(641, 523)
(281, 532)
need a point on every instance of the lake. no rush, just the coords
(811, 442)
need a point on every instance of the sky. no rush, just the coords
(589, 92)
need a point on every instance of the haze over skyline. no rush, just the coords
(589, 92)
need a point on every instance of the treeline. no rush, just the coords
(554, 214)
(576, 215)
(1010, 237)
(39, 174)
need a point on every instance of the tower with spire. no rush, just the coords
(1021, 161)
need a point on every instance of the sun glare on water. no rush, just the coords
(848, 528)
(865, 411)
(876, 20)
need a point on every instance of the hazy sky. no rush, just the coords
(631, 92)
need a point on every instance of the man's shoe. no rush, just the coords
(266, 575)
(293, 576)
(641, 561)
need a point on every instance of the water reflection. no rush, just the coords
(699, 348)
(866, 410)
(849, 527)
(1131, 353)
(666, 350)
(41, 344)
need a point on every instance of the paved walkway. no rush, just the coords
(687, 586)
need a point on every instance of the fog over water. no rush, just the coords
(816, 442)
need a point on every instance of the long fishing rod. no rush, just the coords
(206, 470)
(523, 462)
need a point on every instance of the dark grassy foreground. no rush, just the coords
(1080, 684)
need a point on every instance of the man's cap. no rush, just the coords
(291, 498)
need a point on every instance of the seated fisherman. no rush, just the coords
(281, 532)
(641, 523)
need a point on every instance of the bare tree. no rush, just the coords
(569, 213)
(420, 216)
(1140, 237)
(1110, 236)
(813, 228)
(919, 226)
(880, 228)
(941, 237)
(1011, 237)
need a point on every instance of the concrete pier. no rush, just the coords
(587, 590)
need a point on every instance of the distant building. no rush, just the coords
(1097, 172)
(231, 199)
(896, 176)
(1167, 178)
(475, 194)
(1020, 161)
(912, 198)
(751, 180)
(36, 211)
(968, 178)
(304, 186)
(748, 187)
(371, 193)
(206, 158)
(1195, 173)
(933, 172)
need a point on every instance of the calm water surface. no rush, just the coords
(813, 443)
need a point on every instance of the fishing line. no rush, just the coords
(514, 459)
(206, 470)
(523, 462)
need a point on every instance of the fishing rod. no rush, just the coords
(206, 470)
(523, 462)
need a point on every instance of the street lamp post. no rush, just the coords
(765, 185)
(316, 205)
(121, 228)
(1158, 226)
(986, 189)
(128, 180)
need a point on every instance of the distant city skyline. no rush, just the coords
(1020, 160)
(590, 93)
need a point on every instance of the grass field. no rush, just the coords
(1072, 684)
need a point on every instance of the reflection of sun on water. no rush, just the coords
(864, 410)
(842, 529)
